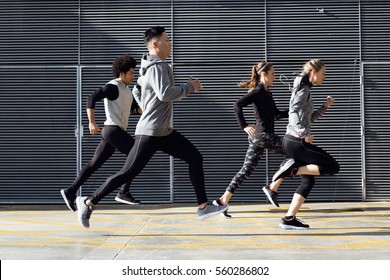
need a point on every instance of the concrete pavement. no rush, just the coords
(339, 231)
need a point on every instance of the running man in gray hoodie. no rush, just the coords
(155, 93)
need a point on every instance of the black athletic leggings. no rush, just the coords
(305, 153)
(113, 138)
(144, 148)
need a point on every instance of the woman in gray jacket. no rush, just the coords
(309, 160)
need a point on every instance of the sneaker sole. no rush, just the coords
(126, 202)
(66, 201)
(213, 214)
(277, 174)
(79, 218)
(269, 197)
(226, 215)
(292, 227)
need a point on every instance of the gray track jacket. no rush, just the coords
(301, 112)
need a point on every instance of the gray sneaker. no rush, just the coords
(211, 210)
(83, 211)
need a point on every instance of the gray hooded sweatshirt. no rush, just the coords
(155, 93)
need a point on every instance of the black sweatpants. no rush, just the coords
(113, 138)
(305, 153)
(144, 148)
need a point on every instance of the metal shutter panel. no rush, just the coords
(375, 87)
(297, 32)
(39, 32)
(42, 35)
(216, 42)
(375, 21)
(111, 28)
(376, 130)
(37, 144)
(39, 47)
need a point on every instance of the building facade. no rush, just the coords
(53, 54)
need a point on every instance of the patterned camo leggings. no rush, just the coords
(257, 144)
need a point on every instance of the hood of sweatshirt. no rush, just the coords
(147, 61)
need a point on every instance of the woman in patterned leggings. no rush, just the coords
(261, 135)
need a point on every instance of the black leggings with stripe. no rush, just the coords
(113, 138)
(305, 153)
(144, 148)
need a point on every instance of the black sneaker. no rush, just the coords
(225, 213)
(69, 199)
(127, 199)
(294, 223)
(288, 169)
(271, 195)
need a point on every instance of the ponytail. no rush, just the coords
(262, 66)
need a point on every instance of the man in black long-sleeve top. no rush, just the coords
(118, 105)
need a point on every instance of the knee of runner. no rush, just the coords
(332, 169)
(337, 168)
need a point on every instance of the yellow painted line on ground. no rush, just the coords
(201, 241)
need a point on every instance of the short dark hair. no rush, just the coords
(122, 64)
(153, 32)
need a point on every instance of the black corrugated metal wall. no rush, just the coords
(217, 42)
(38, 89)
(375, 72)
(54, 53)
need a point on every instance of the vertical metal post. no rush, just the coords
(362, 121)
(79, 125)
(362, 133)
(265, 58)
(171, 159)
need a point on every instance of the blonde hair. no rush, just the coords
(313, 64)
(262, 66)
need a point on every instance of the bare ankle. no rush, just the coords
(89, 202)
